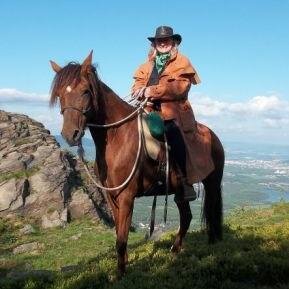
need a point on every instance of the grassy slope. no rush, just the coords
(254, 254)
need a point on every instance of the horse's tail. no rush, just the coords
(213, 203)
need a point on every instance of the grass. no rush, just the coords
(253, 254)
(18, 174)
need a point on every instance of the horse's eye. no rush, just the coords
(86, 93)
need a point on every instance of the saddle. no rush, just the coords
(153, 135)
(155, 147)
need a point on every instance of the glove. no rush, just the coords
(139, 93)
(147, 92)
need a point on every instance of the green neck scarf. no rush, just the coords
(161, 60)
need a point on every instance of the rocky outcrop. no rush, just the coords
(40, 180)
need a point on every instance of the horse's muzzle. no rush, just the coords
(75, 139)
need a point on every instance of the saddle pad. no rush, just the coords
(152, 145)
(156, 125)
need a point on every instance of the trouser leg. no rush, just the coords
(177, 144)
(178, 153)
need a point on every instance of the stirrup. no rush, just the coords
(189, 193)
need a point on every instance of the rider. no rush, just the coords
(165, 79)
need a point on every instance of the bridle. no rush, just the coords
(82, 111)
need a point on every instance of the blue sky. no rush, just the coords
(240, 49)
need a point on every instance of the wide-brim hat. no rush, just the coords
(165, 32)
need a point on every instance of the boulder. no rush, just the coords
(28, 248)
(26, 230)
(40, 180)
(81, 205)
(11, 194)
(52, 220)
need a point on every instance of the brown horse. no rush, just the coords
(85, 99)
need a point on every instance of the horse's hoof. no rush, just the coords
(175, 249)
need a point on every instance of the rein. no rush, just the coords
(142, 105)
(80, 150)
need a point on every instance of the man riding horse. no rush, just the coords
(165, 79)
(87, 102)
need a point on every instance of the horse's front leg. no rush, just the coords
(185, 220)
(125, 210)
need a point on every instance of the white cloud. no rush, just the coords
(256, 106)
(263, 116)
(207, 107)
(12, 95)
(265, 103)
(276, 123)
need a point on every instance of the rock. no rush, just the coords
(26, 230)
(64, 216)
(75, 237)
(44, 275)
(29, 247)
(52, 220)
(81, 205)
(37, 176)
(11, 192)
(69, 268)
(12, 163)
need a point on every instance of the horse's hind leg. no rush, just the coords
(213, 209)
(185, 220)
(213, 204)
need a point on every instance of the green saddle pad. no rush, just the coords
(156, 125)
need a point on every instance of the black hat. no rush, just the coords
(164, 32)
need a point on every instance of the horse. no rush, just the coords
(84, 99)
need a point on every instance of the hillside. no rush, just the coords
(254, 254)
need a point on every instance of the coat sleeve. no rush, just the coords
(176, 88)
(140, 79)
(177, 84)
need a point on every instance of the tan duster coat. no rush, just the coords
(172, 91)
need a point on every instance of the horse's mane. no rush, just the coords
(69, 73)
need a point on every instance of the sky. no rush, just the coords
(239, 48)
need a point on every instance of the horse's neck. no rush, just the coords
(113, 107)
(108, 141)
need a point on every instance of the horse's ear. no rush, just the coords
(87, 63)
(55, 66)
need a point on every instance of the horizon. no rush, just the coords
(240, 49)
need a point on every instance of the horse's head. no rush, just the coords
(76, 87)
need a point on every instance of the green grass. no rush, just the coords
(18, 174)
(253, 254)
